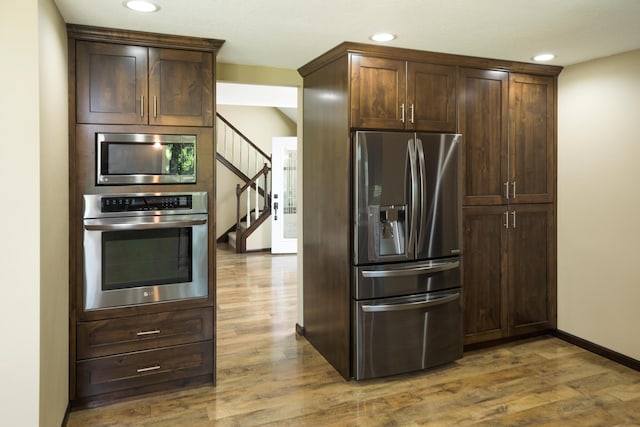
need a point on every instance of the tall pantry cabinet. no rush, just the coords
(506, 114)
(143, 83)
(508, 123)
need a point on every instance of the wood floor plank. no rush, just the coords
(268, 376)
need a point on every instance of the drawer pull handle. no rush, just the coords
(143, 333)
(150, 368)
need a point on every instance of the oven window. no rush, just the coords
(146, 257)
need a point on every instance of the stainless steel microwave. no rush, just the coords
(139, 158)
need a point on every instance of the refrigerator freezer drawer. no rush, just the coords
(391, 280)
(397, 335)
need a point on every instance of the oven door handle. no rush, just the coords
(411, 271)
(410, 305)
(142, 225)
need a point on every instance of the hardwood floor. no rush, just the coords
(268, 376)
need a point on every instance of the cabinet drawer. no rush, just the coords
(143, 368)
(127, 334)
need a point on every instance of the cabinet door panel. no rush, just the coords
(431, 91)
(111, 83)
(484, 273)
(483, 105)
(532, 138)
(532, 278)
(378, 89)
(180, 87)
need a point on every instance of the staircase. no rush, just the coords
(246, 160)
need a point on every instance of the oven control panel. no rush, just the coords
(145, 203)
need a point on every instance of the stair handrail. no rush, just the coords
(251, 143)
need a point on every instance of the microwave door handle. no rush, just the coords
(143, 225)
(410, 305)
(410, 271)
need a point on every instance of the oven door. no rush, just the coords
(144, 259)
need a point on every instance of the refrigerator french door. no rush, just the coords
(406, 287)
(407, 196)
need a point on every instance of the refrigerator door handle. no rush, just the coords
(410, 271)
(410, 305)
(423, 194)
(414, 194)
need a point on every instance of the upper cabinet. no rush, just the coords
(532, 147)
(483, 107)
(125, 84)
(507, 120)
(395, 94)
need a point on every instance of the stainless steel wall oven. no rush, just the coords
(144, 248)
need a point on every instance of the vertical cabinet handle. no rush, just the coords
(506, 219)
(412, 114)
(142, 106)
(514, 189)
(506, 186)
(513, 214)
(402, 113)
(155, 107)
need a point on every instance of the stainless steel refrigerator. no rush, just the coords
(406, 287)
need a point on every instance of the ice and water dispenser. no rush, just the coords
(387, 230)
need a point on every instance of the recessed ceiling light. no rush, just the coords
(382, 37)
(141, 6)
(544, 57)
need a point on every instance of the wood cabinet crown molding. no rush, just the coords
(110, 35)
(349, 48)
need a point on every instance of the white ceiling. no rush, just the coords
(290, 33)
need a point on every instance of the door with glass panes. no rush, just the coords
(284, 195)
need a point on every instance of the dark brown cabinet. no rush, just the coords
(143, 370)
(509, 271)
(508, 124)
(134, 333)
(483, 107)
(532, 148)
(396, 94)
(136, 82)
(485, 273)
(123, 84)
(509, 131)
(532, 272)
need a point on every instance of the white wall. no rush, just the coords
(599, 202)
(54, 217)
(33, 259)
(20, 177)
